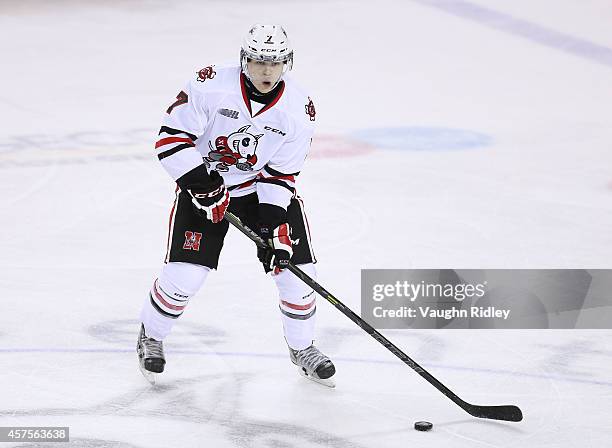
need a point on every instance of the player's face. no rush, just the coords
(264, 74)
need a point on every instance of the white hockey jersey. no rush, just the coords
(213, 122)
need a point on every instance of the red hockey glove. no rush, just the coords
(210, 199)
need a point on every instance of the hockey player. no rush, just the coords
(236, 138)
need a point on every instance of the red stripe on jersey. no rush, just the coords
(289, 178)
(248, 183)
(247, 103)
(166, 304)
(168, 140)
(244, 94)
(293, 306)
(274, 101)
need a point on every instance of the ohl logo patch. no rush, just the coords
(192, 240)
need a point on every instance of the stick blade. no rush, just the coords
(507, 413)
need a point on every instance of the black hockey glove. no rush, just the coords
(275, 231)
(209, 196)
(279, 251)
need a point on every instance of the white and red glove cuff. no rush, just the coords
(216, 210)
(281, 239)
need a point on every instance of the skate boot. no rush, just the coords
(150, 356)
(314, 365)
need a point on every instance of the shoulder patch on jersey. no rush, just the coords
(310, 110)
(206, 73)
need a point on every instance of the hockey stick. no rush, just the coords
(506, 412)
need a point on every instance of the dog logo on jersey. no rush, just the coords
(310, 110)
(206, 73)
(237, 149)
(192, 241)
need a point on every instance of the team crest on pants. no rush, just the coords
(237, 149)
(192, 241)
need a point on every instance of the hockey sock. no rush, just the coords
(169, 296)
(297, 307)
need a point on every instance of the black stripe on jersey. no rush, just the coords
(160, 311)
(173, 131)
(273, 172)
(278, 182)
(163, 155)
(298, 316)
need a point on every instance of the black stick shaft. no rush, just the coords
(506, 412)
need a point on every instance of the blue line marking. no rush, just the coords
(523, 28)
(283, 356)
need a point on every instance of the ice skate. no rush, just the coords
(314, 365)
(150, 356)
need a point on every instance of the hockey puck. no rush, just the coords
(423, 426)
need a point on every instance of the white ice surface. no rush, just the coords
(85, 206)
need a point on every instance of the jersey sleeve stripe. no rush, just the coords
(164, 154)
(172, 131)
(168, 140)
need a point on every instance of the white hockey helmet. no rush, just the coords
(266, 43)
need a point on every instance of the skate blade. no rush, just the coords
(151, 377)
(328, 382)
